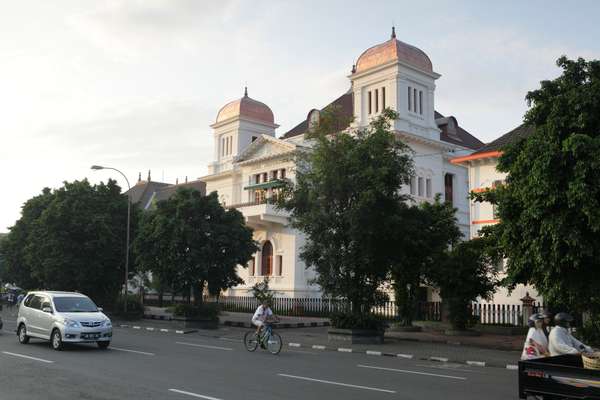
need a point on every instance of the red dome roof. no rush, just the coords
(393, 50)
(246, 107)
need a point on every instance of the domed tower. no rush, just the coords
(399, 76)
(238, 124)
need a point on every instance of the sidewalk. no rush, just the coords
(487, 341)
(242, 319)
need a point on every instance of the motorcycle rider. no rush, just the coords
(536, 343)
(561, 341)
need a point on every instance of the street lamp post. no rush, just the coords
(99, 167)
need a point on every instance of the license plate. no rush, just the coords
(90, 336)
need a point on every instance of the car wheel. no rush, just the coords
(103, 344)
(56, 340)
(22, 333)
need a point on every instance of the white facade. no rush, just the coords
(483, 175)
(246, 149)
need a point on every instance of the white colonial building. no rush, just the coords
(250, 162)
(483, 175)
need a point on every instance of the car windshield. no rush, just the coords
(74, 304)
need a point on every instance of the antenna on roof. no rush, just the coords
(393, 32)
(149, 179)
(139, 176)
(245, 91)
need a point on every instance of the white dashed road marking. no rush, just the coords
(132, 351)
(27, 357)
(205, 346)
(412, 372)
(336, 383)
(200, 396)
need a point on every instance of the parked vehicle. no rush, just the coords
(62, 317)
(559, 377)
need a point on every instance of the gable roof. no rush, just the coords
(346, 105)
(142, 191)
(258, 143)
(165, 192)
(517, 134)
(494, 148)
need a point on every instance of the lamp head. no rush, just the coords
(97, 167)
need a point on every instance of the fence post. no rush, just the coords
(527, 307)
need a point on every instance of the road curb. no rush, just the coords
(283, 325)
(377, 353)
(154, 329)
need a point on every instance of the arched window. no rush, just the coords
(267, 259)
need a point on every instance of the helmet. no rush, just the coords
(534, 317)
(563, 319)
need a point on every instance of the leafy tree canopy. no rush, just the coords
(347, 201)
(71, 238)
(466, 273)
(427, 232)
(191, 241)
(550, 206)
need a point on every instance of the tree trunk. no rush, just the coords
(198, 292)
(160, 298)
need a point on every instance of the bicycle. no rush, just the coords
(269, 339)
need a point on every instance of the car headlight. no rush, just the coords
(71, 323)
(107, 323)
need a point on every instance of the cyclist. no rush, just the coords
(262, 315)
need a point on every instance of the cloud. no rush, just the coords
(129, 29)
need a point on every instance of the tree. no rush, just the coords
(71, 239)
(428, 231)
(549, 208)
(347, 201)
(191, 241)
(16, 268)
(464, 274)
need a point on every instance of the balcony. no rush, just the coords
(262, 214)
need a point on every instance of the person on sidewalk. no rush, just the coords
(536, 343)
(561, 340)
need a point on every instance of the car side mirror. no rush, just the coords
(100, 309)
(47, 310)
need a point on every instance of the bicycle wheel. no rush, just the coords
(274, 344)
(250, 341)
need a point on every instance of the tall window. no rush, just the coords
(370, 104)
(279, 265)
(409, 98)
(413, 185)
(428, 187)
(383, 98)
(448, 188)
(415, 100)
(420, 187)
(282, 173)
(267, 259)
(251, 271)
(421, 102)
(376, 100)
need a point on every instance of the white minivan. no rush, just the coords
(62, 317)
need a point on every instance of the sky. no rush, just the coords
(135, 84)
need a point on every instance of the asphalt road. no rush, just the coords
(157, 365)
